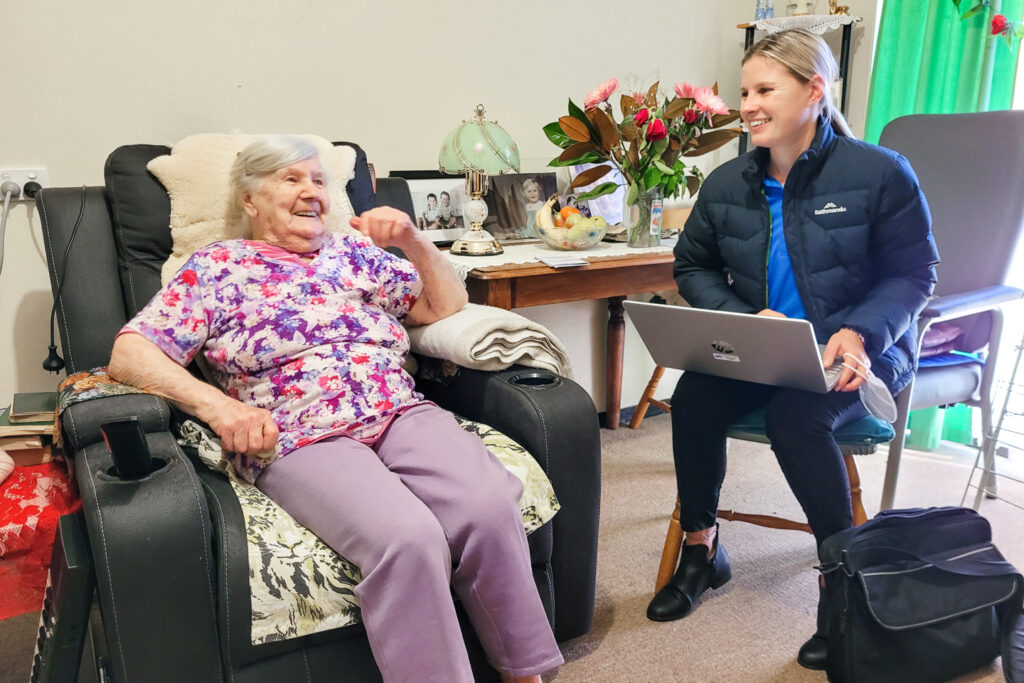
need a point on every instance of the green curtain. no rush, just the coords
(928, 61)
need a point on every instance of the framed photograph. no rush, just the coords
(437, 201)
(512, 202)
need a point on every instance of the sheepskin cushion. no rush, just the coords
(195, 174)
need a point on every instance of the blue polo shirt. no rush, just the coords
(783, 295)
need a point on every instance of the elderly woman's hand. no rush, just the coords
(242, 429)
(388, 227)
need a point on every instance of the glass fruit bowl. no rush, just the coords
(575, 238)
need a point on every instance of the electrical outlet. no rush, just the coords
(22, 176)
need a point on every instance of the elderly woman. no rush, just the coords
(303, 332)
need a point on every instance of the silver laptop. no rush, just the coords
(755, 348)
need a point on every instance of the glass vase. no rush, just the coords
(643, 219)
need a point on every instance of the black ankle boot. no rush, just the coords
(696, 573)
(814, 653)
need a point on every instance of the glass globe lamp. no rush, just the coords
(478, 148)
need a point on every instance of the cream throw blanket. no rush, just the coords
(490, 338)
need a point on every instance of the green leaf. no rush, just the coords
(956, 3)
(652, 177)
(632, 194)
(672, 186)
(599, 191)
(663, 168)
(588, 158)
(555, 135)
(980, 7)
(576, 112)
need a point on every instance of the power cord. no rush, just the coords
(8, 189)
(53, 362)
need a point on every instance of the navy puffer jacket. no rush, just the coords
(859, 237)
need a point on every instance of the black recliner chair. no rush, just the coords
(171, 589)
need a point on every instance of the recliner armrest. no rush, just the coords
(81, 422)
(138, 528)
(963, 304)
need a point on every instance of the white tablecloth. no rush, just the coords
(532, 251)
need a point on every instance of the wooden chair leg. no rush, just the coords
(769, 521)
(647, 399)
(856, 505)
(674, 537)
(670, 554)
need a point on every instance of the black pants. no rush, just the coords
(799, 426)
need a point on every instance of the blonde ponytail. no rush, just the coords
(805, 55)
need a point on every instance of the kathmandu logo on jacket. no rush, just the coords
(830, 208)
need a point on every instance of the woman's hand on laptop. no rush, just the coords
(846, 346)
(771, 313)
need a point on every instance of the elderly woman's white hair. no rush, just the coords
(261, 158)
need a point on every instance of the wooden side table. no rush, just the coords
(534, 284)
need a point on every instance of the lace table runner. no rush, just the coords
(531, 253)
(816, 23)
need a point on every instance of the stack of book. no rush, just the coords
(26, 429)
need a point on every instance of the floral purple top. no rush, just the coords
(320, 345)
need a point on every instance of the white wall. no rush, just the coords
(82, 78)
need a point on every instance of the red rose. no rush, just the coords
(640, 118)
(656, 130)
(690, 116)
(999, 24)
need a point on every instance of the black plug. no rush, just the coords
(31, 189)
(53, 362)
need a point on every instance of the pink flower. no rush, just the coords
(999, 24)
(600, 93)
(640, 118)
(638, 97)
(690, 116)
(656, 130)
(709, 102)
(683, 89)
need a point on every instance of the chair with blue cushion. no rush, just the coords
(860, 437)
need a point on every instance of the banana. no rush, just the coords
(544, 216)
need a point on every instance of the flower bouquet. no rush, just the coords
(647, 146)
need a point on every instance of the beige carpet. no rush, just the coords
(750, 629)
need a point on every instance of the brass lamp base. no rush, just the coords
(476, 242)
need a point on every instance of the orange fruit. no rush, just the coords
(558, 220)
(568, 211)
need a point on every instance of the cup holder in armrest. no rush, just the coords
(155, 465)
(534, 379)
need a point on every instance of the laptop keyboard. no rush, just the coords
(832, 374)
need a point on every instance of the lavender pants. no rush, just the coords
(425, 510)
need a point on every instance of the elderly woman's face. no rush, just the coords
(289, 208)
